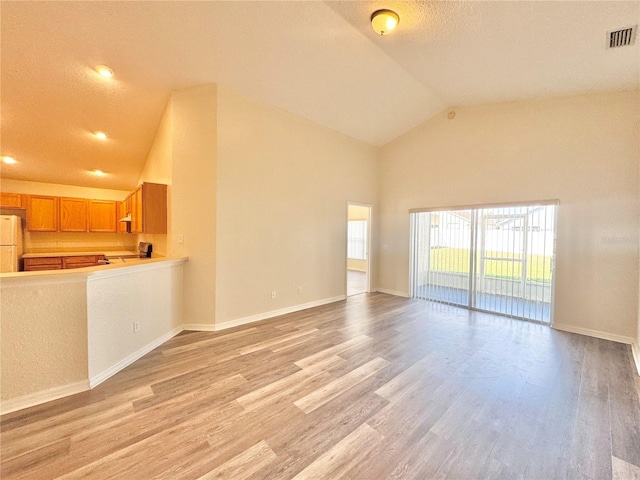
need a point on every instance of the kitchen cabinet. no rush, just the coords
(73, 215)
(103, 216)
(137, 222)
(82, 261)
(123, 227)
(149, 209)
(10, 200)
(42, 213)
(42, 263)
(62, 262)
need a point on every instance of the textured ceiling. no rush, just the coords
(318, 60)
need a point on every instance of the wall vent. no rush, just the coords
(622, 37)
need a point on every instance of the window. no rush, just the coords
(357, 239)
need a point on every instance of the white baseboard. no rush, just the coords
(635, 350)
(43, 396)
(199, 327)
(594, 333)
(276, 313)
(392, 292)
(125, 362)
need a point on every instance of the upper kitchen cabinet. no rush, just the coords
(149, 209)
(103, 216)
(124, 211)
(11, 200)
(42, 213)
(73, 215)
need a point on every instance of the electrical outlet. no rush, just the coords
(273, 294)
(299, 290)
(136, 327)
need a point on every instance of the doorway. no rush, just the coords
(358, 246)
(495, 259)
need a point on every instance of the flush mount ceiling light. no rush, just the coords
(384, 21)
(98, 172)
(100, 135)
(9, 160)
(104, 71)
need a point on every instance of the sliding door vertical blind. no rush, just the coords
(495, 259)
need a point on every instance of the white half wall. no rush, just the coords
(43, 334)
(152, 297)
(583, 151)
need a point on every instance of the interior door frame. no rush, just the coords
(369, 244)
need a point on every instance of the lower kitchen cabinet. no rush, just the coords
(60, 263)
(42, 263)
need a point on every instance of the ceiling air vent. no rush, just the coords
(622, 37)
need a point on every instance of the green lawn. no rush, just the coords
(456, 260)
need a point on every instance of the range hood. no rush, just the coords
(125, 219)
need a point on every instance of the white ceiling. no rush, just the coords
(318, 60)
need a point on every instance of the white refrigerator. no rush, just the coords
(10, 243)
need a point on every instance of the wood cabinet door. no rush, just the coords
(11, 200)
(46, 263)
(103, 216)
(42, 213)
(137, 222)
(73, 215)
(123, 227)
(154, 201)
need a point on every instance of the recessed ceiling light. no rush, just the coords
(98, 172)
(384, 21)
(104, 71)
(9, 160)
(100, 135)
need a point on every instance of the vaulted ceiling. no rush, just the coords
(319, 60)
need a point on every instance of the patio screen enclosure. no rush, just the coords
(495, 259)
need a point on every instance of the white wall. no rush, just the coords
(283, 185)
(151, 296)
(581, 150)
(43, 334)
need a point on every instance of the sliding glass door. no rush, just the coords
(498, 259)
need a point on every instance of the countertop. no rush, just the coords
(118, 253)
(116, 267)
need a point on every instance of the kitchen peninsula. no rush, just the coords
(65, 331)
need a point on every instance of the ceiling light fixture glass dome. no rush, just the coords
(384, 21)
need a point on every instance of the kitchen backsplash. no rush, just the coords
(38, 242)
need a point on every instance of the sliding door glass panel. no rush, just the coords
(441, 256)
(493, 259)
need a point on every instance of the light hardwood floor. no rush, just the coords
(373, 387)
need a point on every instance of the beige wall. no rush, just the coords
(158, 168)
(283, 185)
(59, 190)
(581, 150)
(193, 202)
